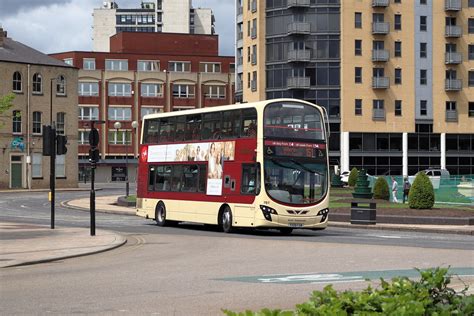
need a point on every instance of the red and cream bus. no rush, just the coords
(257, 165)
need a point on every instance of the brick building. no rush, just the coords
(144, 73)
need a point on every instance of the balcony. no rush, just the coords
(378, 114)
(452, 5)
(453, 85)
(298, 83)
(380, 28)
(300, 55)
(253, 85)
(453, 31)
(298, 3)
(380, 3)
(451, 115)
(380, 82)
(299, 28)
(380, 55)
(453, 58)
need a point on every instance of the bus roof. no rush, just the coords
(226, 108)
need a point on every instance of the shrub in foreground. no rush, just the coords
(421, 194)
(353, 177)
(428, 296)
(381, 190)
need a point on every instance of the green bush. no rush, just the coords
(353, 177)
(381, 190)
(421, 194)
(428, 296)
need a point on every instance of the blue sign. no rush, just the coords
(18, 143)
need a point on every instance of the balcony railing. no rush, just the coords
(380, 82)
(299, 55)
(299, 28)
(298, 83)
(453, 85)
(380, 3)
(453, 31)
(253, 85)
(452, 5)
(380, 28)
(297, 3)
(378, 114)
(451, 115)
(380, 55)
(452, 58)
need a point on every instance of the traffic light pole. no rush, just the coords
(92, 195)
(52, 177)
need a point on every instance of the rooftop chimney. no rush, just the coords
(3, 34)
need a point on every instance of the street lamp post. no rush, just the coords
(117, 126)
(134, 126)
(52, 165)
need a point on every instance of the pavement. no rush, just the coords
(24, 244)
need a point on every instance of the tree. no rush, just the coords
(381, 190)
(353, 177)
(421, 194)
(6, 102)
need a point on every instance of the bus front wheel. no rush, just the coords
(160, 215)
(226, 220)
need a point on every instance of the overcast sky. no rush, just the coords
(53, 26)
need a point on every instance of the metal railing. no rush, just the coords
(298, 83)
(297, 3)
(453, 85)
(453, 31)
(301, 55)
(452, 5)
(378, 114)
(380, 28)
(380, 55)
(451, 115)
(380, 3)
(453, 58)
(299, 28)
(380, 82)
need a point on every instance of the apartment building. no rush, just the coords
(169, 16)
(143, 73)
(396, 76)
(45, 91)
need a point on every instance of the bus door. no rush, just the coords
(246, 189)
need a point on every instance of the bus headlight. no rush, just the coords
(324, 213)
(267, 211)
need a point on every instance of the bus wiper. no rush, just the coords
(279, 163)
(303, 166)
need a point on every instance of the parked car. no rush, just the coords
(443, 173)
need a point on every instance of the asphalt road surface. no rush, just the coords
(196, 270)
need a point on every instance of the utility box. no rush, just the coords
(363, 212)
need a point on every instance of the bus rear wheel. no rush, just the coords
(226, 220)
(286, 231)
(160, 215)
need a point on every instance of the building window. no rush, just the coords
(470, 3)
(358, 20)
(151, 90)
(423, 23)
(116, 65)
(147, 110)
(17, 87)
(88, 113)
(37, 83)
(88, 89)
(120, 89)
(210, 67)
(358, 47)
(398, 107)
(119, 137)
(148, 65)
(422, 1)
(253, 32)
(183, 91)
(60, 166)
(120, 114)
(232, 68)
(37, 122)
(398, 22)
(423, 77)
(83, 137)
(16, 120)
(61, 85)
(214, 92)
(179, 66)
(61, 123)
(88, 64)
(254, 54)
(470, 25)
(398, 76)
(358, 107)
(471, 52)
(358, 75)
(471, 78)
(423, 50)
(471, 109)
(69, 61)
(36, 165)
(254, 81)
(248, 54)
(450, 105)
(423, 107)
(398, 49)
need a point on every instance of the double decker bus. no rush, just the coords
(255, 165)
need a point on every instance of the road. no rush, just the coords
(195, 270)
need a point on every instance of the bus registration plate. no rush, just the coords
(295, 225)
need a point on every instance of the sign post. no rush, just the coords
(94, 157)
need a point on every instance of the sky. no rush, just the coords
(53, 26)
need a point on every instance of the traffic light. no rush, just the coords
(94, 137)
(94, 155)
(48, 140)
(61, 148)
